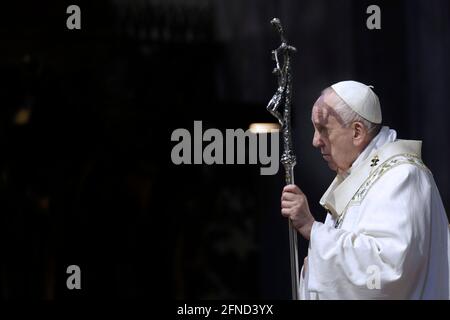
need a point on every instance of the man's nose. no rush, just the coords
(317, 141)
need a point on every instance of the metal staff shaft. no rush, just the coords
(284, 93)
(293, 250)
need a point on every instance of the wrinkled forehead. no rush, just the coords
(322, 110)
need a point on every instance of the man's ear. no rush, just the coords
(359, 133)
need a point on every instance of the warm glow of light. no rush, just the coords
(22, 117)
(264, 127)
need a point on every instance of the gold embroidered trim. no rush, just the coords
(387, 165)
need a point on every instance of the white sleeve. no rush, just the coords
(392, 237)
(303, 289)
(304, 293)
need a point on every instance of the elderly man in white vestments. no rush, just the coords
(386, 234)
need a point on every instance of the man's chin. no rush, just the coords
(332, 166)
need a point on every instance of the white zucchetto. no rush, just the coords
(360, 98)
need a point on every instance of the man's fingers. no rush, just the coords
(292, 188)
(286, 212)
(287, 196)
(287, 204)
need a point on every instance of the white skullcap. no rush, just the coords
(360, 98)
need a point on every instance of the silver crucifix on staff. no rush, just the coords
(284, 93)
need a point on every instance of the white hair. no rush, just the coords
(347, 114)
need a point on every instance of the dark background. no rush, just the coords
(86, 118)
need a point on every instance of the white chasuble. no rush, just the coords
(386, 235)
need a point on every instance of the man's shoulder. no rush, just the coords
(400, 157)
(400, 147)
(398, 171)
(401, 166)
